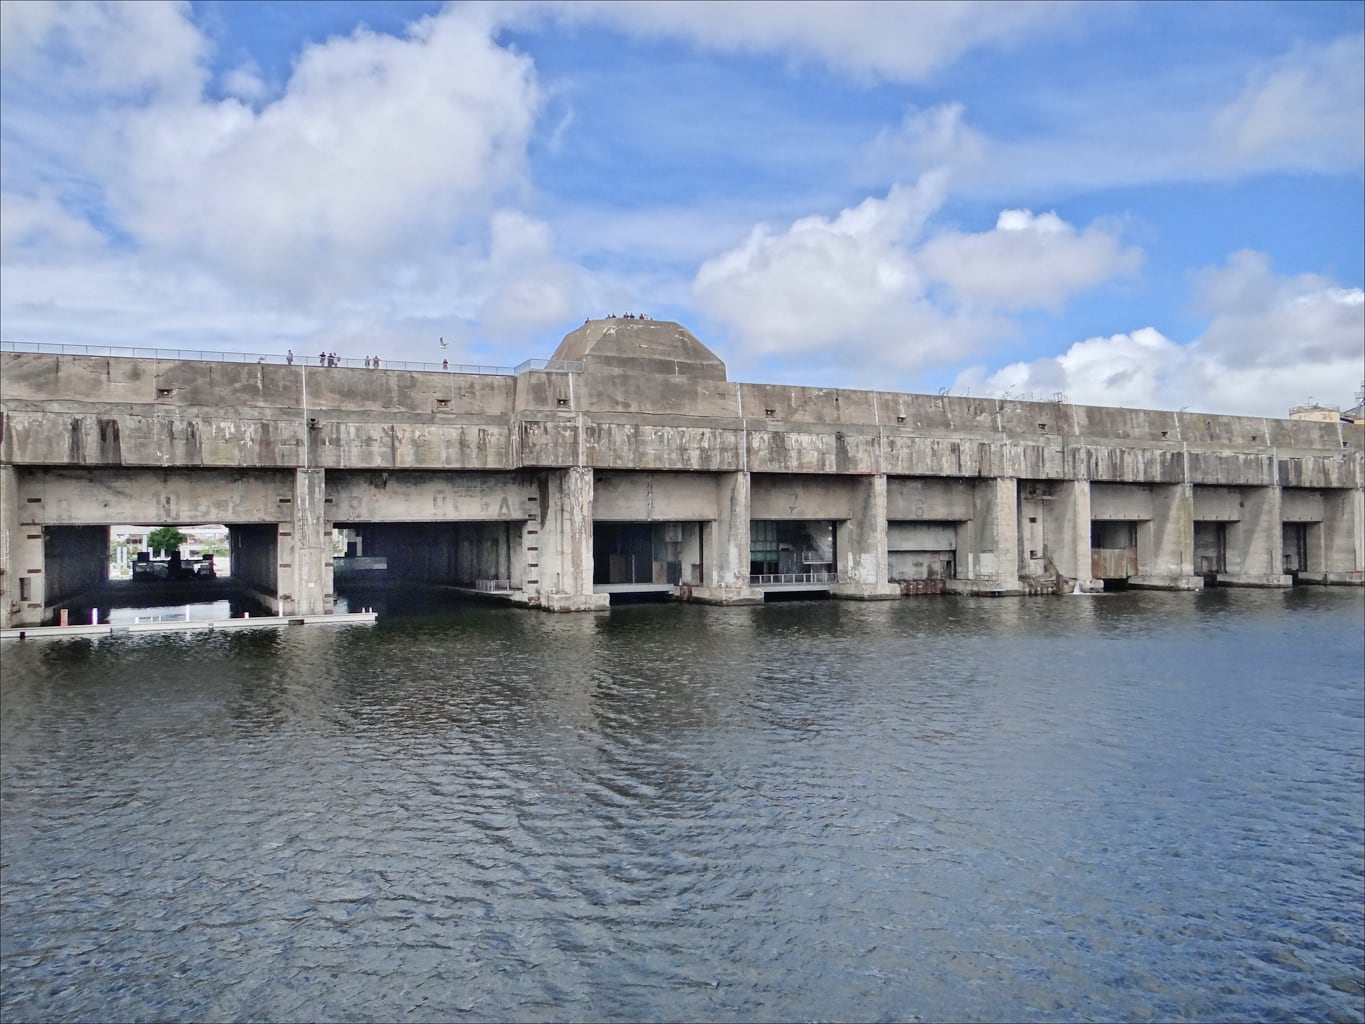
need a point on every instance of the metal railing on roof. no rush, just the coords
(274, 358)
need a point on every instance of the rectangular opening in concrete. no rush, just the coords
(480, 556)
(1210, 548)
(921, 551)
(646, 557)
(1295, 550)
(791, 548)
(1113, 550)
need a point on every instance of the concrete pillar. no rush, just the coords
(566, 542)
(1070, 547)
(1255, 556)
(25, 562)
(988, 562)
(1166, 542)
(11, 608)
(725, 543)
(862, 545)
(693, 572)
(305, 573)
(1343, 536)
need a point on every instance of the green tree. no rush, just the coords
(165, 539)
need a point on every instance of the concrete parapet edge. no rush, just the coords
(1166, 583)
(575, 602)
(1333, 579)
(866, 591)
(1242, 579)
(983, 588)
(724, 595)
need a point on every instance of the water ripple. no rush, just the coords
(1139, 807)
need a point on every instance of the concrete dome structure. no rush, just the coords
(633, 345)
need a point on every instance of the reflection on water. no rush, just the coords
(121, 602)
(1132, 806)
(170, 613)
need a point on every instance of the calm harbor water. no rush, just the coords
(1124, 807)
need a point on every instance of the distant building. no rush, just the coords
(1321, 413)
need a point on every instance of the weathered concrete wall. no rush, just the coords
(659, 438)
(725, 545)
(643, 446)
(797, 496)
(1120, 501)
(861, 543)
(1069, 548)
(74, 410)
(10, 563)
(654, 497)
(1054, 530)
(1166, 541)
(423, 496)
(988, 547)
(1218, 504)
(305, 549)
(928, 498)
(1299, 506)
(566, 562)
(1257, 552)
(171, 497)
(1343, 533)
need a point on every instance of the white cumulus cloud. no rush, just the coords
(1028, 261)
(379, 149)
(87, 46)
(849, 280)
(373, 190)
(864, 282)
(1272, 342)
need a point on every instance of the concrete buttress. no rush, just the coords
(566, 560)
(993, 556)
(1166, 541)
(725, 574)
(862, 545)
(305, 581)
(1343, 537)
(9, 565)
(1072, 552)
(1260, 542)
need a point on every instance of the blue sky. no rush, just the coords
(1144, 204)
